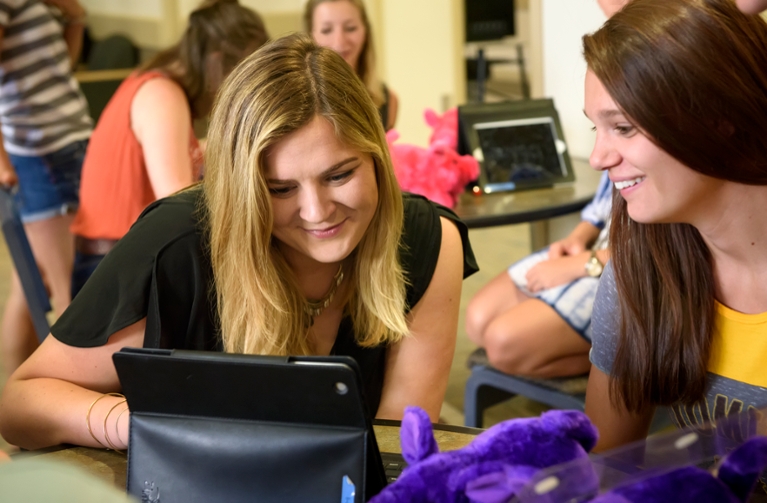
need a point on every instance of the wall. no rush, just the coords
(564, 22)
(156, 24)
(422, 59)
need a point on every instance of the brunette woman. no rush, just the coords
(677, 90)
(144, 147)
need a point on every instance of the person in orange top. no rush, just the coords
(144, 147)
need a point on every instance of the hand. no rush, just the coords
(71, 9)
(4, 457)
(568, 246)
(555, 272)
(8, 177)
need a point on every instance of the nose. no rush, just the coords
(603, 155)
(316, 206)
(338, 41)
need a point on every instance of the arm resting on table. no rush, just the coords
(45, 402)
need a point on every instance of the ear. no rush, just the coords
(416, 436)
(742, 467)
(431, 118)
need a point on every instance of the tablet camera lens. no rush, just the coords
(341, 388)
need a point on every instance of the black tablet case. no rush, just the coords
(232, 428)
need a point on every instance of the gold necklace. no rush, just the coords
(314, 308)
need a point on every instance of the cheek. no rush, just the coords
(359, 40)
(320, 39)
(282, 212)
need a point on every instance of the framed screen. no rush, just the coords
(518, 153)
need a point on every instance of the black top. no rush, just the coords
(160, 271)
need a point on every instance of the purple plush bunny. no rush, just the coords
(734, 483)
(494, 466)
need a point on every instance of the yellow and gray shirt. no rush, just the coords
(737, 370)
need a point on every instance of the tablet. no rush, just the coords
(520, 152)
(209, 426)
(518, 144)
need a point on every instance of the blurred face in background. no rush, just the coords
(337, 24)
(610, 7)
(751, 6)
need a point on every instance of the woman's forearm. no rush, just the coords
(41, 412)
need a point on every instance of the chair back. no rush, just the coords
(26, 266)
(116, 51)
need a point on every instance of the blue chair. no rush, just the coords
(487, 386)
(21, 254)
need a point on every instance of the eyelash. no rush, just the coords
(281, 191)
(335, 178)
(347, 30)
(338, 177)
(622, 130)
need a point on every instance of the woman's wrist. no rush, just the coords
(593, 266)
(104, 419)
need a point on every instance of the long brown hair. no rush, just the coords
(366, 66)
(272, 93)
(692, 75)
(216, 26)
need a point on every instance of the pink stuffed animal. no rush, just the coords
(436, 172)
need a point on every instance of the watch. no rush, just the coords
(593, 266)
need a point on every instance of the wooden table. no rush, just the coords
(111, 466)
(534, 206)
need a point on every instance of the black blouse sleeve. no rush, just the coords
(123, 289)
(421, 242)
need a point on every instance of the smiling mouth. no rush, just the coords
(326, 232)
(628, 183)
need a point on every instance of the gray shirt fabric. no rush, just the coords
(724, 396)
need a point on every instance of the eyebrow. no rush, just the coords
(324, 173)
(606, 114)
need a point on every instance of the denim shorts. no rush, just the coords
(49, 185)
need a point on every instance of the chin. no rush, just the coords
(641, 216)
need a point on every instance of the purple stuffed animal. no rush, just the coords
(494, 466)
(735, 481)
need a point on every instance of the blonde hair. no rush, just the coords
(366, 66)
(272, 93)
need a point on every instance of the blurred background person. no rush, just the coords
(343, 25)
(144, 147)
(534, 318)
(751, 6)
(45, 129)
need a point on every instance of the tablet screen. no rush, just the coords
(520, 152)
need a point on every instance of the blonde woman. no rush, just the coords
(343, 25)
(297, 242)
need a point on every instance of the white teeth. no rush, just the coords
(628, 183)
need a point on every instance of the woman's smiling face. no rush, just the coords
(324, 194)
(337, 24)
(657, 187)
